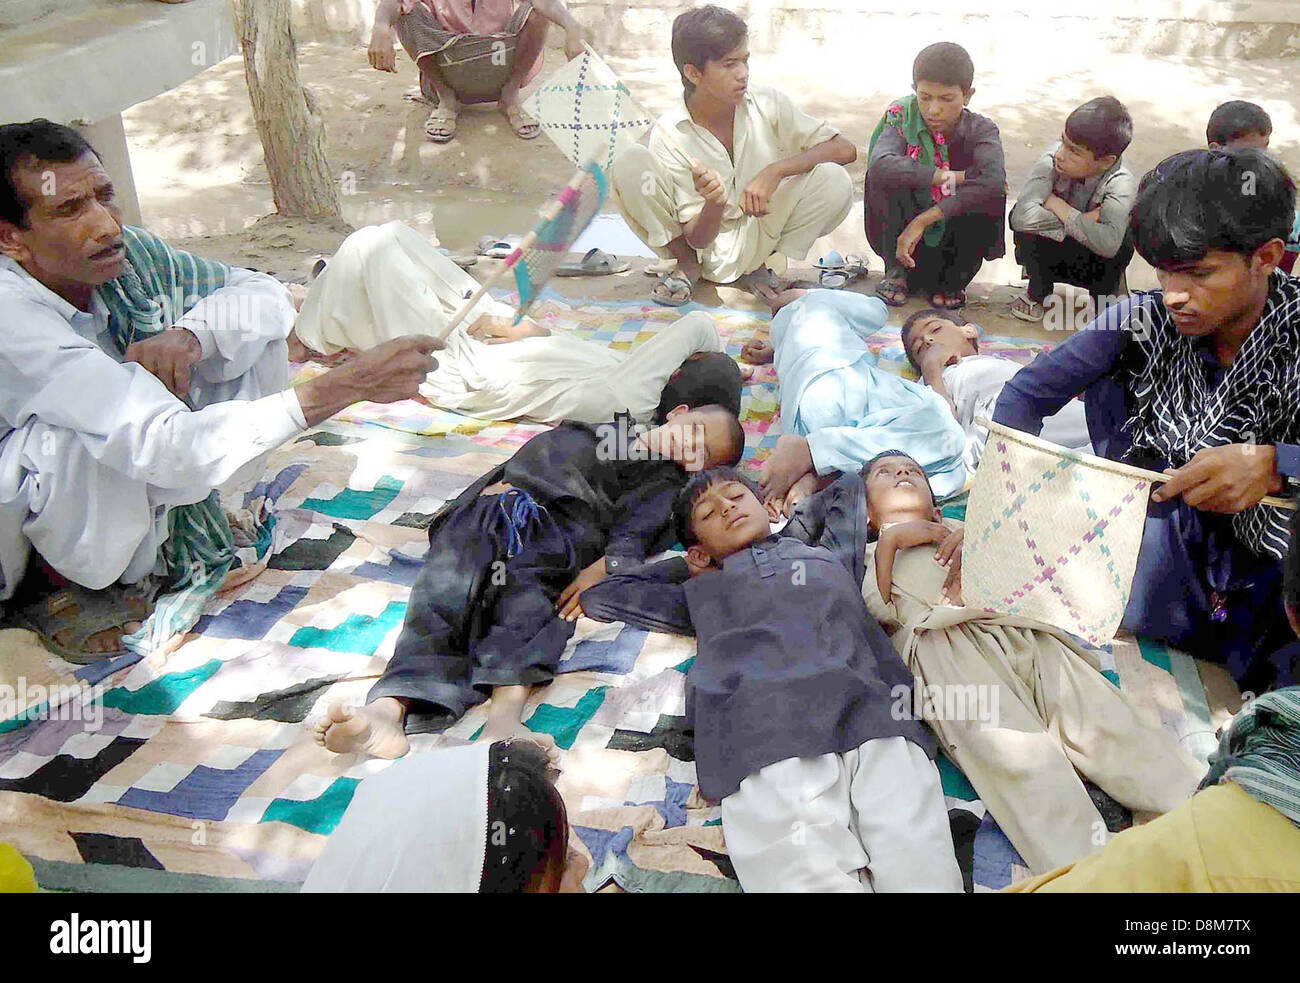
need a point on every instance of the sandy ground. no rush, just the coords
(202, 183)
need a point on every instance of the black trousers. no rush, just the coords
(1046, 262)
(479, 618)
(950, 264)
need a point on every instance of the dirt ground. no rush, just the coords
(202, 183)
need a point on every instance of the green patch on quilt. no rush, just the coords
(955, 784)
(353, 504)
(359, 633)
(163, 695)
(318, 815)
(1155, 653)
(564, 723)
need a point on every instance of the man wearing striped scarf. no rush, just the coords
(135, 379)
(1200, 379)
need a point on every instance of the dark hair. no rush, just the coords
(1236, 119)
(952, 317)
(1199, 200)
(702, 35)
(945, 63)
(866, 468)
(735, 432)
(701, 482)
(528, 828)
(701, 380)
(1291, 573)
(35, 142)
(1101, 126)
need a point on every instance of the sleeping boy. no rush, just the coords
(944, 348)
(792, 697)
(1055, 714)
(494, 605)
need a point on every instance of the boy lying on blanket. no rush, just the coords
(573, 504)
(792, 696)
(1044, 709)
(944, 348)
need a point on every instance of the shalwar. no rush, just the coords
(95, 450)
(868, 820)
(655, 192)
(388, 281)
(834, 394)
(1019, 706)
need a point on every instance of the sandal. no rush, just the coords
(596, 262)
(441, 124)
(669, 285)
(949, 302)
(893, 288)
(1025, 309)
(762, 283)
(494, 248)
(84, 613)
(525, 127)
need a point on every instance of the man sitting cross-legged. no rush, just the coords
(134, 379)
(762, 177)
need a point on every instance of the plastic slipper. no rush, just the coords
(85, 613)
(672, 283)
(494, 248)
(520, 122)
(596, 262)
(460, 259)
(440, 126)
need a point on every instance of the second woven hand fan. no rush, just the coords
(1053, 534)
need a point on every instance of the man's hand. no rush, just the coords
(907, 242)
(170, 356)
(570, 602)
(1058, 206)
(386, 373)
(381, 53)
(573, 42)
(754, 199)
(1224, 479)
(708, 184)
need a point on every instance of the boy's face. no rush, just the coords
(725, 79)
(1217, 289)
(897, 492)
(695, 439)
(1076, 162)
(937, 337)
(940, 104)
(727, 518)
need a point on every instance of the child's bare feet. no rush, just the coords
(376, 729)
(298, 352)
(791, 460)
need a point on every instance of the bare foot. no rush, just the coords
(506, 730)
(777, 300)
(298, 352)
(791, 460)
(375, 729)
(801, 489)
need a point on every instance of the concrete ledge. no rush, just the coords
(95, 58)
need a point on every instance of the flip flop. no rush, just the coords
(440, 126)
(893, 289)
(1024, 309)
(672, 283)
(596, 262)
(950, 302)
(494, 248)
(520, 121)
(85, 613)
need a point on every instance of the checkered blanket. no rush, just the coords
(194, 771)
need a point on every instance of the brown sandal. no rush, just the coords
(525, 127)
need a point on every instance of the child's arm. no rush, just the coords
(1029, 214)
(890, 168)
(1103, 229)
(983, 184)
(905, 535)
(650, 597)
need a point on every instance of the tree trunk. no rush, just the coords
(292, 133)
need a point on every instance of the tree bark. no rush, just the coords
(292, 133)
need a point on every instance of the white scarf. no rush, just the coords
(419, 826)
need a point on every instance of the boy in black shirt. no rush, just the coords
(800, 705)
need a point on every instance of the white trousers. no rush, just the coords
(388, 281)
(871, 819)
(93, 524)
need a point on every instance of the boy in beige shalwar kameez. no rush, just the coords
(1055, 712)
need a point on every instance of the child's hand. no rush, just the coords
(948, 555)
(569, 604)
(903, 536)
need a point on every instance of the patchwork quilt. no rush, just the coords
(194, 771)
